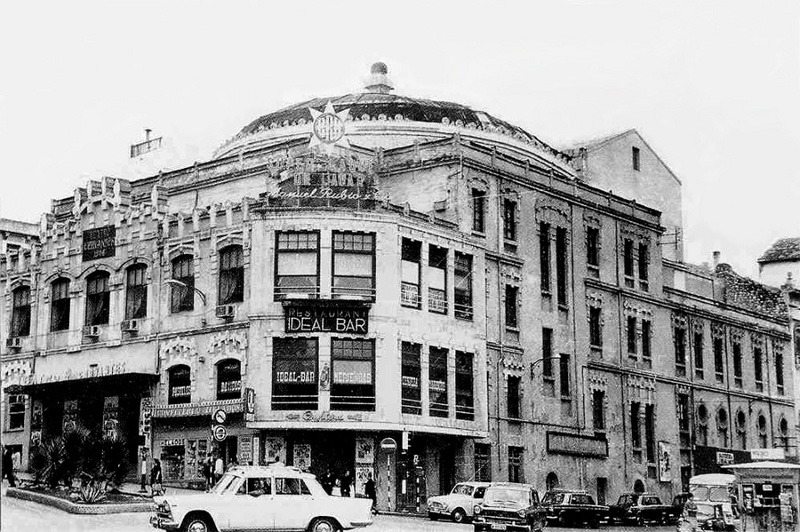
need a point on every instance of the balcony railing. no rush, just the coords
(353, 402)
(437, 300)
(295, 402)
(439, 409)
(412, 406)
(466, 412)
(351, 287)
(409, 295)
(296, 287)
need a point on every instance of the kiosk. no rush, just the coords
(768, 495)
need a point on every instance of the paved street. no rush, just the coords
(23, 516)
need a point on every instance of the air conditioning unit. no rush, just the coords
(130, 326)
(226, 311)
(14, 343)
(92, 331)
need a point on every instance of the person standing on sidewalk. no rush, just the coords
(8, 467)
(219, 469)
(369, 491)
(208, 472)
(156, 480)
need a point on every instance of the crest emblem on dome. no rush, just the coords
(328, 128)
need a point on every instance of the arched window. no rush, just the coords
(741, 429)
(551, 482)
(783, 429)
(97, 298)
(702, 425)
(231, 275)
(21, 311)
(180, 385)
(762, 431)
(229, 379)
(183, 290)
(59, 305)
(722, 427)
(136, 292)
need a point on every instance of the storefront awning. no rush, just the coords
(206, 408)
(120, 381)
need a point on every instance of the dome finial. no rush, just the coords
(379, 80)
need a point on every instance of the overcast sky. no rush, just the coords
(714, 87)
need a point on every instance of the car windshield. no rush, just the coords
(720, 494)
(227, 480)
(553, 498)
(462, 489)
(506, 495)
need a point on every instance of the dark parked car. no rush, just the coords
(509, 506)
(641, 508)
(569, 507)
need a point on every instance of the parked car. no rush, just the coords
(572, 507)
(263, 498)
(459, 503)
(509, 506)
(640, 508)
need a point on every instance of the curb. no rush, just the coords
(76, 508)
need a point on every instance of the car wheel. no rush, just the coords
(323, 524)
(459, 515)
(197, 524)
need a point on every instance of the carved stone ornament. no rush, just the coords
(178, 349)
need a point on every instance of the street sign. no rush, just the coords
(219, 432)
(219, 417)
(388, 444)
(767, 454)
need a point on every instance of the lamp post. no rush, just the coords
(196, 290)
(541, 361)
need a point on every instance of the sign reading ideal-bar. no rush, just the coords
(303, 319)
(99, 243)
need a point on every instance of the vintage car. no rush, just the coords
(459, 504)
(262, 498)
(509, 506)
(571, 507)
(641, 508)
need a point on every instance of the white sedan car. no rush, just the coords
(459, 504)
(274, 497)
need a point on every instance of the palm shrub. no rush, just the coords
(50, 463)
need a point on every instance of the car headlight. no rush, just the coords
(477, 509)
(521, 513)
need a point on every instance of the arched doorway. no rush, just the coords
(552, 481)
(638, 486)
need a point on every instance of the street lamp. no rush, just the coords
(197, 290)
(540, 361)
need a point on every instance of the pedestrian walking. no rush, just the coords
(369, 491)
(156, 480)
(208, 472)
(8, 467)
(219, 469)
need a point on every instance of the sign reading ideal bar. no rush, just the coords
(307, 319)
(99, 243)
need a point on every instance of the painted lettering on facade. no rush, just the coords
(335, 320)
(99, 243)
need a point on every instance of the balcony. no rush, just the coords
(296, 287)
(351, 287)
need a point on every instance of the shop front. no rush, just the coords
(768, 495)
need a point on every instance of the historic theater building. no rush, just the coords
(387, 285)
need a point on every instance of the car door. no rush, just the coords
(293, 502)
(251, 506)
(477, 497)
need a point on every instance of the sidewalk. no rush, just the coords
(126, 487)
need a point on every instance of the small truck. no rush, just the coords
(641, 508)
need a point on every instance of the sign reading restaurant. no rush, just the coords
(99, 243)
(308, 319)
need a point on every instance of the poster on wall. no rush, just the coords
(275, 450)
(70, 415)
(302, 456)
(664, 462)
(36, 414)
(257, 451)
(365, 451)
(111, 416)
(363, 473)
(245, 453)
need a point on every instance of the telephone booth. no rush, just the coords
(768, 495)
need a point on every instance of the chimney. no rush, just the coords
(147, 134)
(716, 259)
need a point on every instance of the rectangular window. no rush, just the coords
(564, 371)
(478, 210)
(547, 353)
(635, 158)
(644, 253)
(636, 434)
(182, 294)
(411, 389)
(595, 328)
(561, 265)
(21, 312)
(437, 382)
(593, 247)
(294, 374)
(632, 335)
(646, 340)
(352, 374)
(680, 351)
(296, 264)
(97, 299)
(136, 293)
(353, 265)
(544, 256)
(683, 421)
(512, 397)
(627, 259)
(719, 360)
(411, 273)
(515, 464)
(59, 305)
(229, 379)
(465, 401)
(758, 369)
(483, 462)
(509, 219)
(437, 279)
(598, 410)
(511, 306)
(698, 355)
(231, 275)
(650, 433)
(16, 411)
(779, 371)
(463, 286)
(737, 363)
